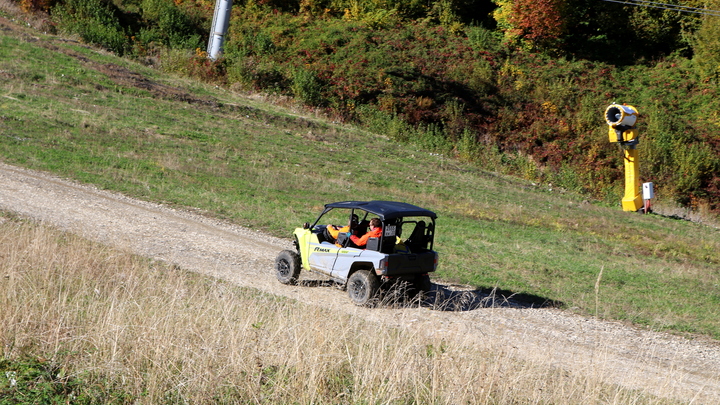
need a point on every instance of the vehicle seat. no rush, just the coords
(417, 240)
(373, 244)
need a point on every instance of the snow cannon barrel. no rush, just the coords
(624, 115)
(621, 119)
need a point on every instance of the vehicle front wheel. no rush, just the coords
(287, 267)
(362, 286)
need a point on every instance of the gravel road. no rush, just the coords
(660, 364)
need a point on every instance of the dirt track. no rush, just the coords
(660, 364)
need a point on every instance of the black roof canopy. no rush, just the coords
(384, 209)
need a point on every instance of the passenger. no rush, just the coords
(375, 232)
(335, 230)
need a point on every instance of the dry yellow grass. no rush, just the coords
(164, 335)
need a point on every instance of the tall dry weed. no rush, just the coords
(163, 335)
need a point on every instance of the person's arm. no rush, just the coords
(335, 231)
(360, 241)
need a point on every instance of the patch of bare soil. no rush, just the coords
(660, 364)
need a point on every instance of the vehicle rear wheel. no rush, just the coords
(287, 267)
(362, 286)
(422, 283)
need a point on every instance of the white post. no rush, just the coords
(648, 194)
(221, 21)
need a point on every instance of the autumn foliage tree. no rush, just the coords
(596, 30)
(540, 21)
(536, 24)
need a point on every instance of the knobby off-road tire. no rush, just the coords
(362, 287)
(422, 284)
(419, 287)
(287, 267)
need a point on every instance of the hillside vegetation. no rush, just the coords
(517, 86)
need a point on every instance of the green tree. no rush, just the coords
(706, 45)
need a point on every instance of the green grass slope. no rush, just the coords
(77, 112)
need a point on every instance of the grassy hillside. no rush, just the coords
(522, 92)
(88, 115)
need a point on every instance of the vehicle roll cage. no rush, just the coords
(392, 214)
(383, 209)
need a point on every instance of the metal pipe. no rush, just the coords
(221, 21)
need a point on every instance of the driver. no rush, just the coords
(335, 230)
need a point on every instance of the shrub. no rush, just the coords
(29, 6)
(96, 22)
(306, 86)
(169, 24)
(483, 39)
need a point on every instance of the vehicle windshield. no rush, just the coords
(338, 216)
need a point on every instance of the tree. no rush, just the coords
(706, 45)
(537, 24)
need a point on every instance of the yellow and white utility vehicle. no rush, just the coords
(402, 253)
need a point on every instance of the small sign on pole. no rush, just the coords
(648, 194)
